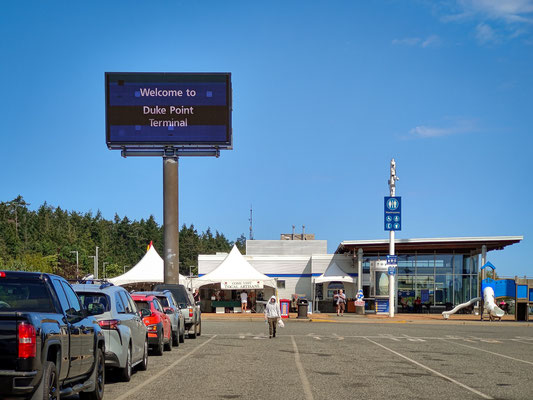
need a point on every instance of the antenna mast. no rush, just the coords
(251, 223)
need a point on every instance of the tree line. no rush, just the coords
(47, 239)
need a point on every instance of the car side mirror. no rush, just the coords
(145, 312)
(169, 311)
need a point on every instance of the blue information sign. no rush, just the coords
(392, 269)
(393, 213)
(392, 260)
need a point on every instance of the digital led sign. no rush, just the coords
(168, 109)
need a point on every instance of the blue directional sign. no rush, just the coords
(392, 269)
(392, 260)
(393, 213)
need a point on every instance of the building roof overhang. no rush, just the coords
(439, 245)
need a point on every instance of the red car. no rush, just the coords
(157, 322)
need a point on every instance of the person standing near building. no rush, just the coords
(341, 302)
(272, 316)
(244, 300)
(196, 296)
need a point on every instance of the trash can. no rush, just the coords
(303, 305)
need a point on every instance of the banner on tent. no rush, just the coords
(241, 285)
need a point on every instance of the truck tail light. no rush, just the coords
(109, 324)
(2, 274)
(190, 312)
(27, 340)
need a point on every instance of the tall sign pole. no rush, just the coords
(171, 220)
(392, 204)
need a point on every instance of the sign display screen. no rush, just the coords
(168, 109)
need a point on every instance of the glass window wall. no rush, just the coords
(435, 278)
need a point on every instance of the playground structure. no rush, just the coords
(521, 290)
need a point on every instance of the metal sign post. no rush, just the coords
(171, 220)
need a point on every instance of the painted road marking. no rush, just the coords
(433, 371)
(130, 392)
(522, 341)
(303, 377)
(491, 352)
(413, 339)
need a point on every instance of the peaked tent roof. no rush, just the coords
(334, 273)
(234, 267)
(149, 269)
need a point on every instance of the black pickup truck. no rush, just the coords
(50, 346)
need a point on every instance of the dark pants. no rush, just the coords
(272, 325)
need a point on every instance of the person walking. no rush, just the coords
(341, 303)
(244, 300)
(272, 316)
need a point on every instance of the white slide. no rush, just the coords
(490, 303)
(446, 314)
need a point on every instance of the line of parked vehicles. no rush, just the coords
(59, 339)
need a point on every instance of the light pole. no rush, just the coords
(95, 268)
(105, 275)
(392, 286)
(77, 263)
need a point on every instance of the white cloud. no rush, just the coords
(431, 40)
(485, 34)
(506, 10)
(425, 131)
(406, 41)
(496, 19)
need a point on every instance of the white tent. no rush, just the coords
(149, 270)
(334, 273)
(235, 273)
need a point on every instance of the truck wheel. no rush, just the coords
(144, 363)
(50, 382)
(175, 340)
(99, 379)
(124, 374)
(182, 337)
(192, 335)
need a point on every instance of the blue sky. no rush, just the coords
(325, 93)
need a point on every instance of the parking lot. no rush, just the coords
(234, 359)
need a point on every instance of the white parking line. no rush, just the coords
(522, 341)
(303, 377)
(432, 371)
(491, 352)
(162, 372)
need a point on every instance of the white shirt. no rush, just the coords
(244, 297)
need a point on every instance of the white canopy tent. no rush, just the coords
(150, 269)
(235, 273)
(334, 273)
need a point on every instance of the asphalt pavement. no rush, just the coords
(235, 359)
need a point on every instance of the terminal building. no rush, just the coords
(443, 272)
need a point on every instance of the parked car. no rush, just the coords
(157, 322)
(172, 309)
(50, 345)
(126, 341)
(189, 309)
